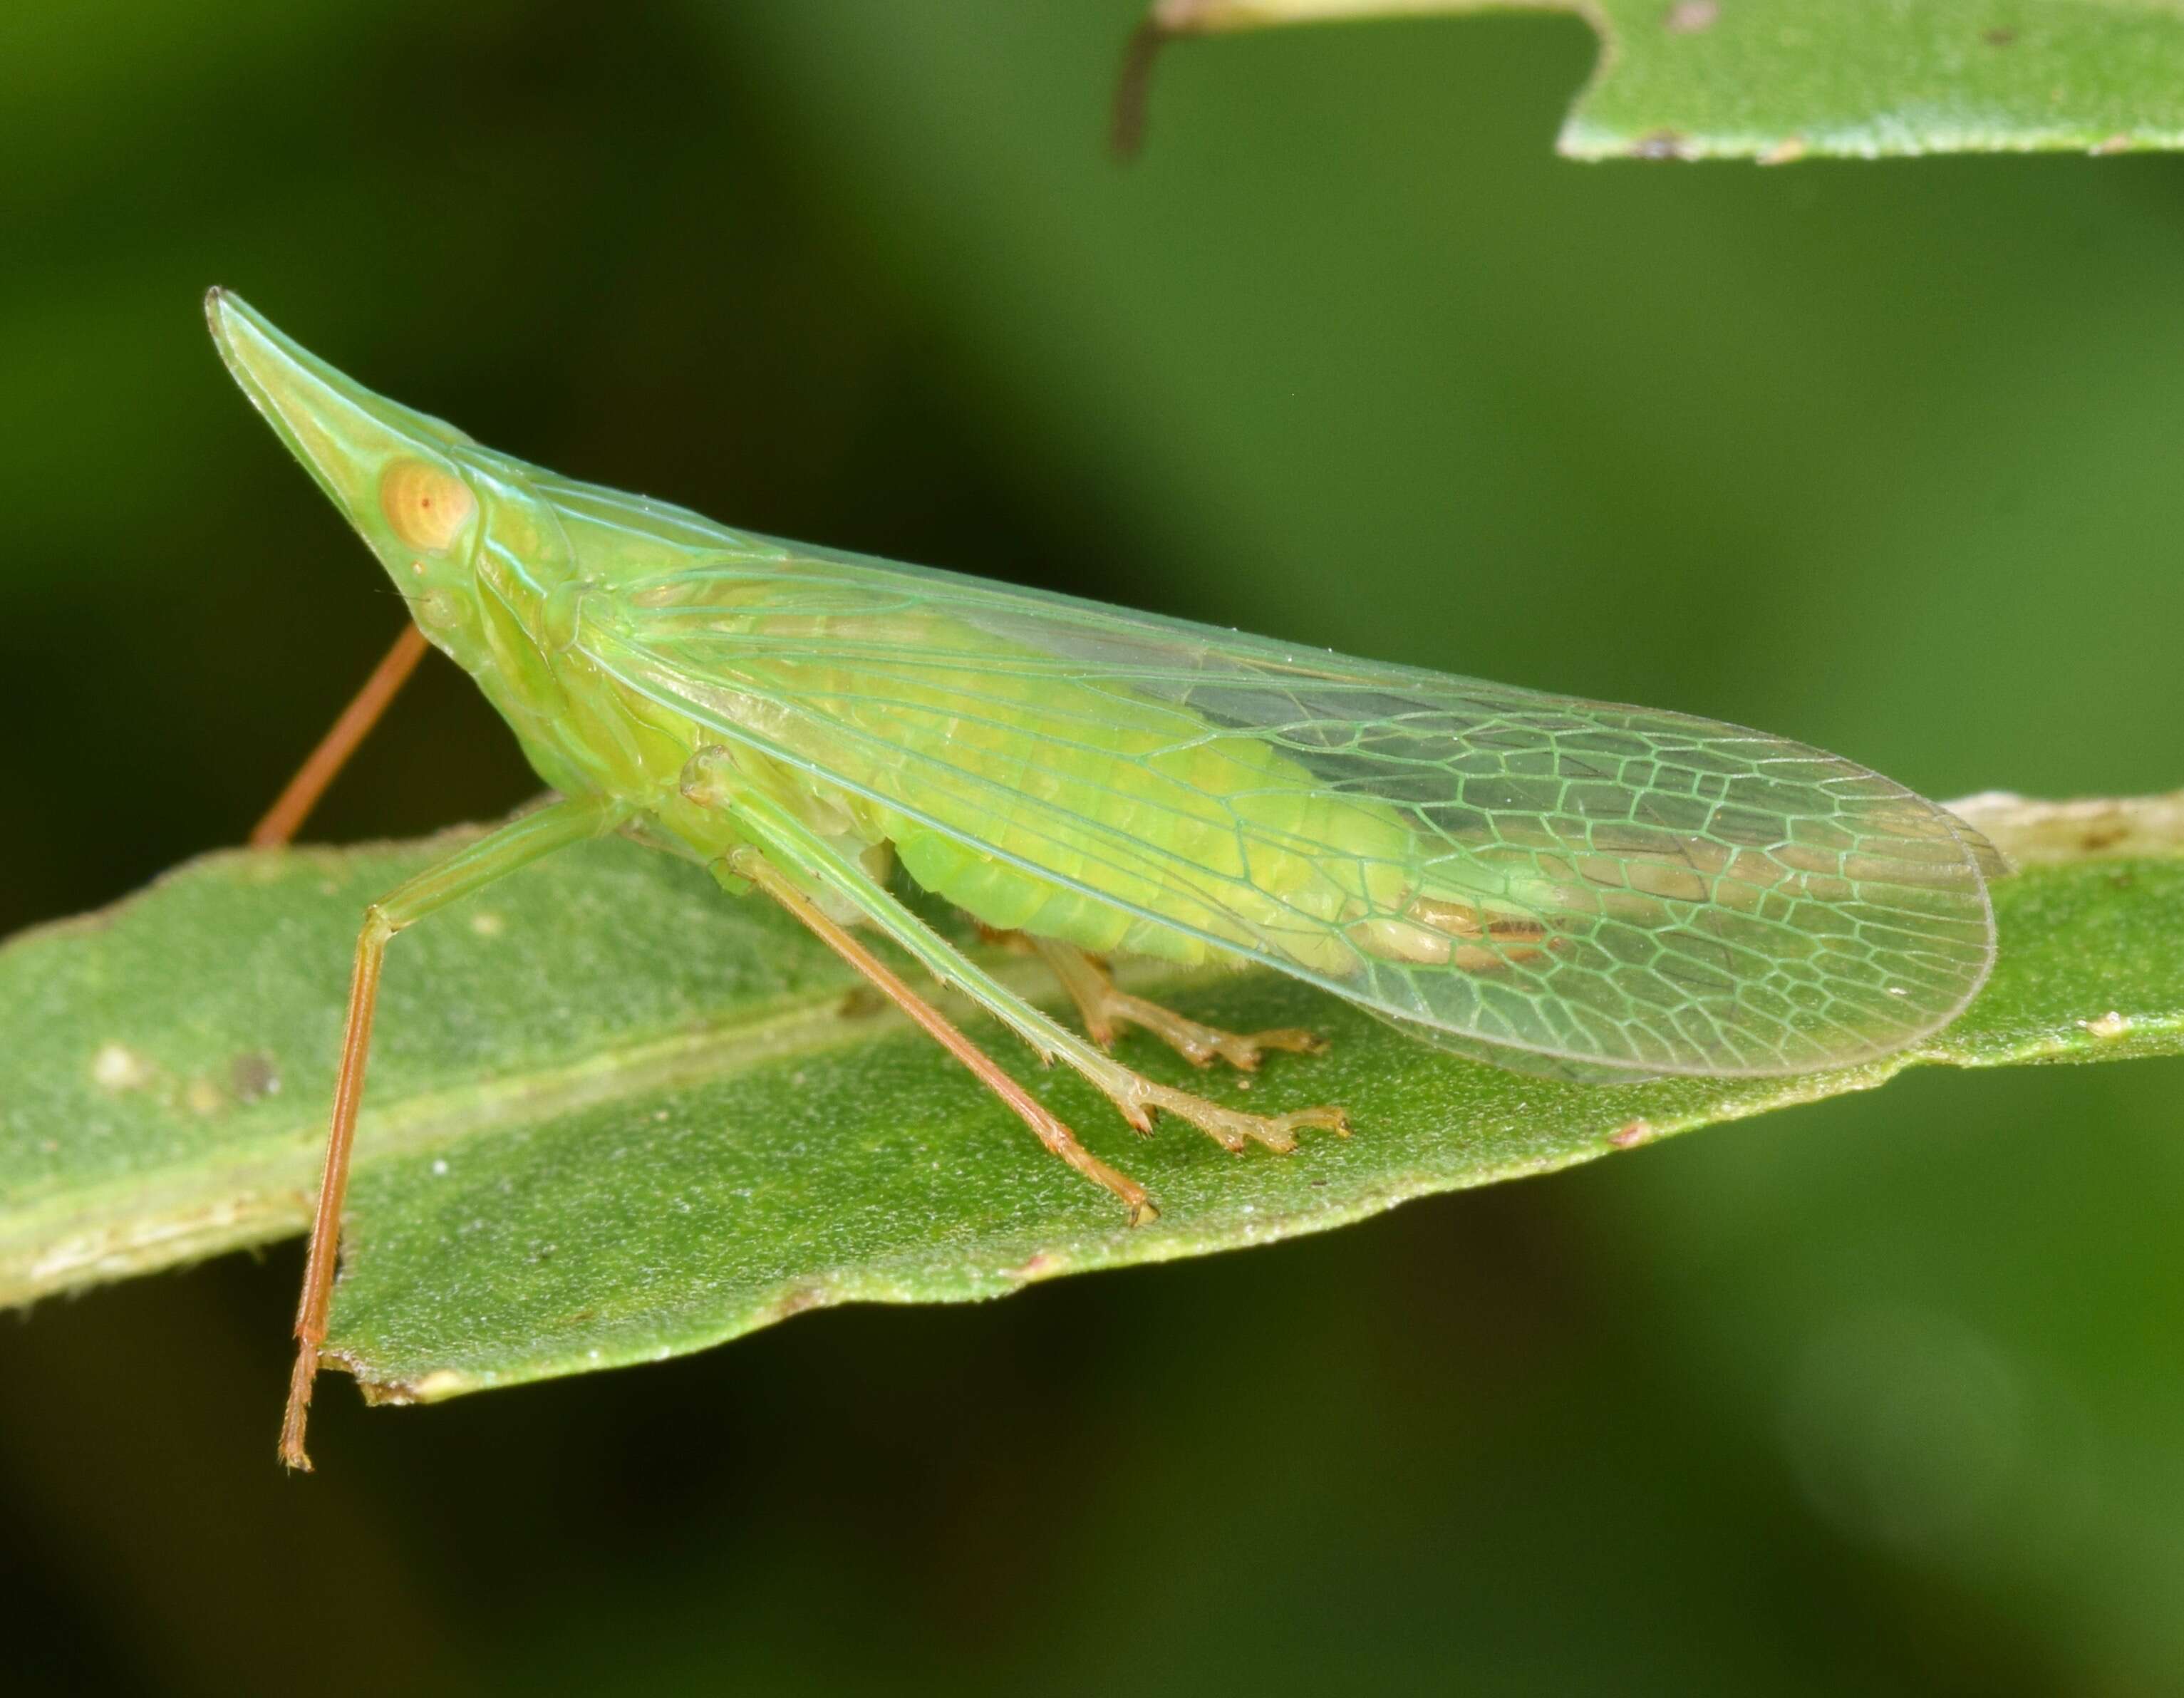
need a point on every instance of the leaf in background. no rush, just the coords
(614, 1117)
(1780, 79)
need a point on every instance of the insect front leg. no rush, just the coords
(492, 857)
(786, 841)
(1106, 1005)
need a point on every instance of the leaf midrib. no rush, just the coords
(262, 1191)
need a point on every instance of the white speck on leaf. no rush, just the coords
(117, 1067)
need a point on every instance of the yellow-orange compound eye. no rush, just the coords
(425, 505)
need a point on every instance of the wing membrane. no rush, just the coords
(1562, 886)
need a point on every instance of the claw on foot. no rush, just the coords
(1105, 1007)
(1233, 1129)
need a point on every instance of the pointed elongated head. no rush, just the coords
(464, 538)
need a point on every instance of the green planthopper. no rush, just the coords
(1556, 886)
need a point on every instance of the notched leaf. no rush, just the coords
(1779, 80)
(2031, 831)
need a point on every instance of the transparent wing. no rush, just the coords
(1560, 886)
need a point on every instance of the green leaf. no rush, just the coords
(615, 1116)
(1780, 79)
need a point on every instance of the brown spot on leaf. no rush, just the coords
(252, 1076)
(2000, 37)
(439, 1382)
(861, 1002)
(1691, 17)
(1662, 144)
(797, 1299)
(1633, 1133)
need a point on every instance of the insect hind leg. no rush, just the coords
(782, 835)
(1233, 1129)
(749, 866)
(1105, 1006)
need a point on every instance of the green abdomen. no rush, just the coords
(1102, 817)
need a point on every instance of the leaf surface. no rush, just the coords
(615, 1116)
(1780, 79)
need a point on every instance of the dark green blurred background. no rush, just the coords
(1880, 1397)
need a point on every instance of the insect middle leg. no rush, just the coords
(789, 842)
(1105, 1006)
(294, 805)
